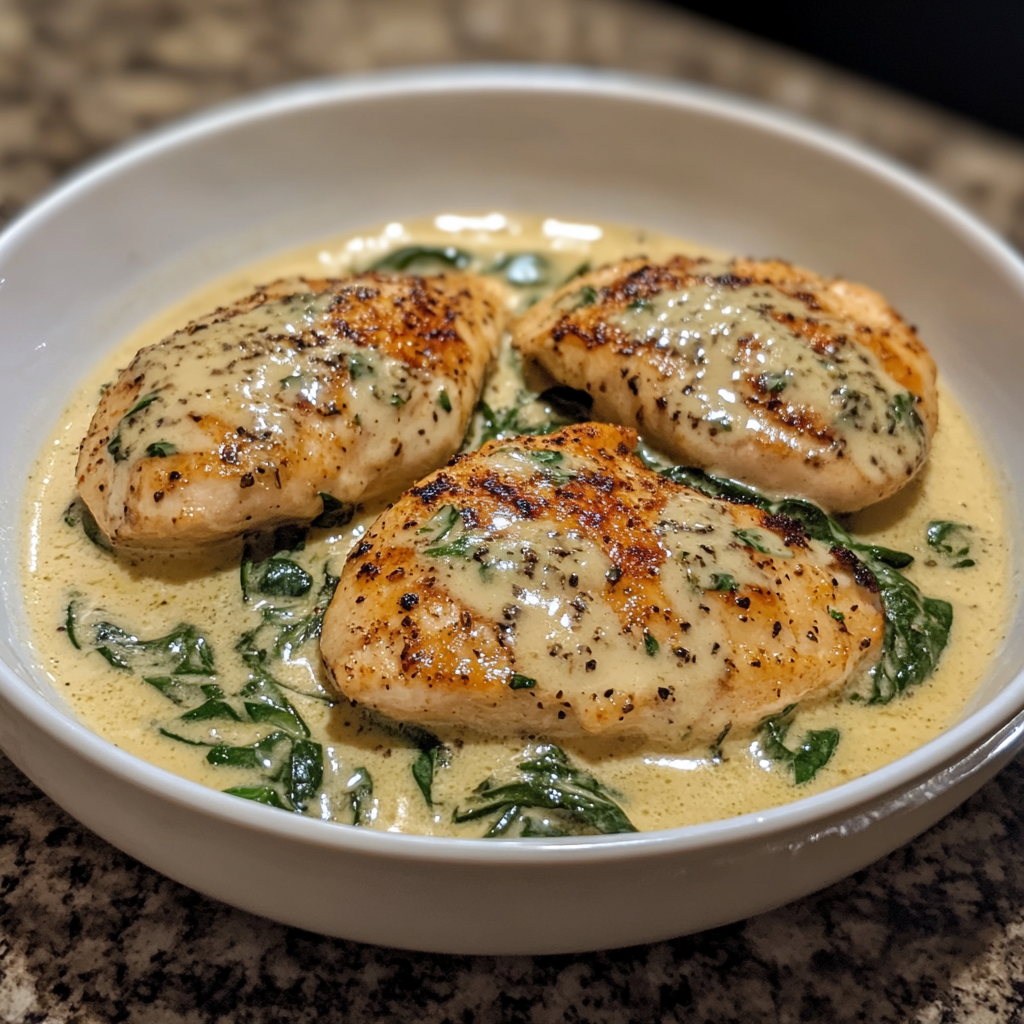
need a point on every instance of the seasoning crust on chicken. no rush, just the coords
(556, 586)
(757, 370)
(243, 420)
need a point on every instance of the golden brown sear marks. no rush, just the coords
(242, 420)
(751, 369)
(555, 586)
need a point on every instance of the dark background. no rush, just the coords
(967, 56)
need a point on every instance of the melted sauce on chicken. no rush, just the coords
(735, 344)
(555, 585)
(243, 419)
(752, 369)
(151, 594)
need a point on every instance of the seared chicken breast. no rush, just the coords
(556, 586)
(757, 370)
(302, 397)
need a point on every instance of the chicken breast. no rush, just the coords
(756, 370)
(305, 396)
(557, 587)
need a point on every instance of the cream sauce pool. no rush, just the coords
(150, 596)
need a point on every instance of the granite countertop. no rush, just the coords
(932, 933)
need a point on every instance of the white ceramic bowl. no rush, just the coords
(146, 225)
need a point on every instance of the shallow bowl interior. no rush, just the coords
(147, 225)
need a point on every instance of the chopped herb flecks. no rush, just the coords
(901, 413)
(773, 383)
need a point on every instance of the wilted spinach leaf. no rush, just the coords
(115, 444)
(424, 257)
(360, 796)
(440, 523)
(951, 541)
(260, 794)
(283, 631)
(499, 424)
(335, 514)
(523, 269)
(810, 757)
(183, 693)
(183, 651)
(276, 576)
(78, 514)
(428, 760)
(546, 780)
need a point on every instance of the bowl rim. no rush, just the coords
(933, 759)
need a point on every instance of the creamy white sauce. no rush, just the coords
(244, 368)
(151, 596)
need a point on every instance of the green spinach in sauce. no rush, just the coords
(814, 752)
(548, 796)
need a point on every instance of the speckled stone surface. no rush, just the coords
(934, 933)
